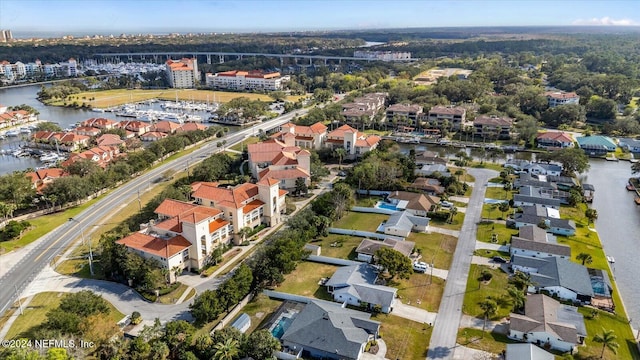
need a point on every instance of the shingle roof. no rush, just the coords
(447, 110)
(369, 247)
(527, 352)
(554, 271)
(416, 201)
(550, 248)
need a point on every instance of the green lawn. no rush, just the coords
(491, 253)
(504, 233)
(173, 296)
(259, 310)
(490, 342)
(405, 339)
(436, 246)
(421, 290)
(344, 248)
(487, 165)
(491, 211)
(360, 221)
(608, 321)
(368, 201)
(477, 292)
(456, 224)
(35, 313)
(304, 280)
(497, 193)
(241, 146)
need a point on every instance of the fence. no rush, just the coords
(366, 234)
(232, 314)
(373, 210)
(373, 192)
(332, 260)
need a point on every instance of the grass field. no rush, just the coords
(109, 98)
(344, 248)
(490, 342)
(477, 292)
(421, 290)
(405, 339)
(243, 144)
(304, 280)
(435, 246)
(456, 223)
(486, 231)
(259, 310)
(36, 313)
(173, 296)
(360, 221)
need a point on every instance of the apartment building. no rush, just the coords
(366, 106)
(281, 161)
(404, 114)
(454, 116)
(557, 98)
(246, 80)
(182, 73)
(354, 142)
(308, 137)
(493, 126)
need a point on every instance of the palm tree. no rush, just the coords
(226, 350)
(586, 258)
(591, 214)
(608, 340)
(452, 214)
(244, 232)
(340, 153)
(503, 207)
(489, 308)
(521, 280)
(517, 297)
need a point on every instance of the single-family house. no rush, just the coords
(530, 196)
(554, 226)
(493, 126)
(547, 322)
(404, 114)
(588, 191)
(557, 98)
(167, 127)
(100, 123)
(559, 276)
(367, 248)
(43, 177)
(308, 137)
(630, 145)
(596, 145)
(414, 203)
(153, 136)
(402, 223)
(356, 285)
(554, 140)
(87, 130)
(429, 186)
(276, 160)
(543, 169)
(325, 330)
(109, 140)
(428, 170)
(534, 241)
(564, 183)
(429, 158)
(526, 352)
(517, 165)
(135, 126)
(526, 179)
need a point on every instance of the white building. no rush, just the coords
(246, 80)
(557, 98)
(382, 55)
(182, 73)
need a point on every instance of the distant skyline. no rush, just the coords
(159, 16)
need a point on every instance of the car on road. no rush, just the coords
(500, 259)
(420, 266)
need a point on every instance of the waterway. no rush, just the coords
(618, 226)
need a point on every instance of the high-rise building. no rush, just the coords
(182, 73)
(5, 35)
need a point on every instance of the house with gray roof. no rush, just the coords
(547, 322)
(368, 248)
(562, 182)
(554, 226)
(526, 352)
(596, 145)
(631, 145)
(356, 285)
(516, 164)
(536, 242)
(429, 158)
(330, 331)
(562, 277)
(428, 170)
(528, 200)
(401, 223)
(543, 169)
(526, 179)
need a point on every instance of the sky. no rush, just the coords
(164, 16)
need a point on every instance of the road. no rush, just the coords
(443, 338)
(24, 271)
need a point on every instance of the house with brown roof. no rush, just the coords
(276, 160)
(454, 116)
(191, 127)
(554, 140)
(170, 252)
(430, 158)
(367, 248)
(101, 155)
(245, 205)
(354, 142)
(430, 186)
(308, 137)
(135, 126)
(414, 203)
(404, 114)
(109, 140)
(557, 98)
(43, 177)
(167, 127)
(67, 141)
(493, 126)
(87, 130)
(153, 136)
(547, 322)
(100, 123)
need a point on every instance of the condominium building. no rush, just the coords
(281, 161)
(182, 73)
(246, 80)
(354, 142)
(364, 107)
(497, 127)
(454, 116)
(308, 137)
(6, 35)
(557, 98)
(404, 114)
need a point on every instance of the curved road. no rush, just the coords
(445, 330)
(24, 271)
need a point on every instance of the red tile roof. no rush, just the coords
(172, 224)
(191, 127)
(561, 95)
(268, 181)
(555, 135)
(339, 132)
(165, 127)
(283, 174)
(171, 208)
(217, 224)
(252, 206)
(154, 245)
(233, 197)
(282, 192)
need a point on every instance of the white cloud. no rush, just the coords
(607, 21)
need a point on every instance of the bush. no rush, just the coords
(13, 230)
(486, 275)
(438, 215)
(136, 318)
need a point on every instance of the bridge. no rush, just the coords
(221, 56)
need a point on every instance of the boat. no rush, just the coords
(2, 137)
(12, 133)
(637, 200)
(611, 260)
(630, 187)
(49, 157)
(172, 117)
(193, 118)
(25, 131)
(97, 110)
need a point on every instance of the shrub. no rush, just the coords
(486, 275)
(136, 318)
(13, 230)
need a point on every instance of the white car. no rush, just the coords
(420, 266)
(446, 204)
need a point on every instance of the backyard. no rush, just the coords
(503, 233)
(360, 221)
(304, 280)
(478, 291)
(339, 246)
(259, 310)
(489, 341)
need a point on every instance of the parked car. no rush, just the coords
(420, 266)
(500, 259)
(446, 204)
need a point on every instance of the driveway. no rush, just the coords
(488, 246)
(443, 339)
(413, 313)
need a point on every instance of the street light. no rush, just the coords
(83, 242)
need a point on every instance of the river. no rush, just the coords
(618, 225)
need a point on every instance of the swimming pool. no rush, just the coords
(281, 327)
(385, 205)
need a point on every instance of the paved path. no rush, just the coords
(460, 199)
(481, 260)
(501, 327)
(443, 339)
(440, 230)
(382, 351)
(489, 246)
(413, 313)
